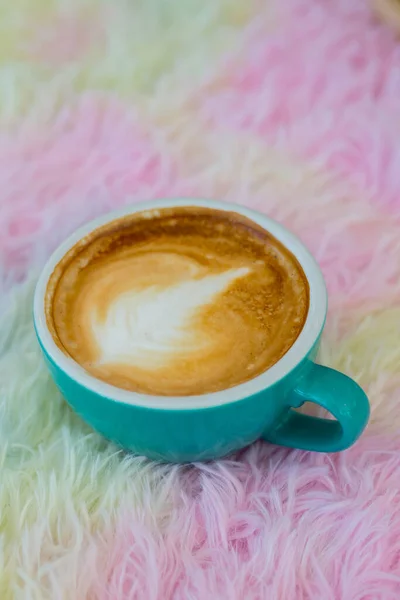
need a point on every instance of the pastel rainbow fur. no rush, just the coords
(289, 108)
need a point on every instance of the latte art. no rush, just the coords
(148, 327)
(179, 302)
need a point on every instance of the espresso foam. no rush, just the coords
(147, 328)
(180, 301)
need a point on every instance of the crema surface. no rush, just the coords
(177, 302)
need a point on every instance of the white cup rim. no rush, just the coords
(298, 351)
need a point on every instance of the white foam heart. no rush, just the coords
(146, 328)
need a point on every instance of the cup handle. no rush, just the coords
(335, 392)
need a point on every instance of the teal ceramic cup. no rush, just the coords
(209, 426)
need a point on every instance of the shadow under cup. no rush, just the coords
(209, 426)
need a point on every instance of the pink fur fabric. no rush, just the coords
(292, 108)
(270, 524)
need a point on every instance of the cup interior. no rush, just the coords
(297, 352)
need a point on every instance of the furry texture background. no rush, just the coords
(289, 107)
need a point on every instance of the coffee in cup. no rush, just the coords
(177, 301)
